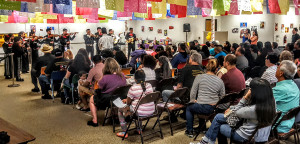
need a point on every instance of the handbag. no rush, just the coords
(232, 119)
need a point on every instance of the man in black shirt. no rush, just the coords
(295, 36)
(49, 38)
(98, 35)
(131, 38)
(65, 39)
(25, 56)
(187, 75)
(41, 62)
(54, 65)
(89, 42)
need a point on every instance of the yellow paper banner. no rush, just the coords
(284, 6)
(48, 16)
(103, 21)
(256, 5)
(141, 15)
(160, 8)
(178, 2)
(3, 18)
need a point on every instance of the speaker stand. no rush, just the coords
(186, 37)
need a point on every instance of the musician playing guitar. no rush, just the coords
(131, 38)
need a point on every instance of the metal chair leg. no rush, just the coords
(52, 89)
(105, 117)
(127, 129)
(146, 124)
(170, 123)
(73, 96)
(161, 134)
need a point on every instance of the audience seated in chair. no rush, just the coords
(44, 80)
(241, 60)
(270, 72)
(87, 88)
(135, 93)
(164, 72)
(112, 79)
(257, 107)
(148, 67)
(234, 80)
(205, 93)
(181, 57)
(286, 93)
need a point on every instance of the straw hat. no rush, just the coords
(46, 48)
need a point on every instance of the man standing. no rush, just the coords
(25, 57)
(131, 38)
(295, 36)
(89, 42)
(106, 41)
(98, 35)
(65, 40)
(49, 38)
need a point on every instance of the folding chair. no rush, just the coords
(224, 102)
(153, 84)
(165, 84)
(252, 137)
(126, 71)
(119, 92)
(294, 131)
(152, 97)
(56, 76)
(181, 65)
(74, 85)
(173, 107)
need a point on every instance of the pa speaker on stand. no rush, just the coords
(186, 29)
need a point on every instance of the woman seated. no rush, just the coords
(257, 107)
(164, 72)
(112, 79)
(149, 64)
(208, 88)
(135, 93)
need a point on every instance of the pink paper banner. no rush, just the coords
(206, 12)
(234, 8)
(124, 14)
(296, 3)
(203, 3)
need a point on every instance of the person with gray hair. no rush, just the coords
(286, 93)
(186, 77)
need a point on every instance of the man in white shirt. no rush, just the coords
(106, 41)
(270, 73)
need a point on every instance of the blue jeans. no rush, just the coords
(219, 124)
(67, 85)
(166, 94)
(44, 83)
(196, 109)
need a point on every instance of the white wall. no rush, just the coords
(177, 34)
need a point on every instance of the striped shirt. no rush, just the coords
(209, 89)
(135, 93)
(270, 74)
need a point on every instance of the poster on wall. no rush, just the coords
(150, 28)
(243, 25)
(276, 26)
(33, 28)
(143, 28)
(291, 25)
(49, 27)
(41, 30)
(165, 32)
(235, 30)
(171, 27)
(159, 31)
(282, 28)
(253, 28)
(262, 25)
(287, 29)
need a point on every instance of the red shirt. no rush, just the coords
(234, 81)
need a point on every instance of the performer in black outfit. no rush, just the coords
(25, 56)
(65, 39)
(98, 35)
(50, 38)
(7, 47)
(35, 46)
(131, 38)
(89, 42)
(18, 51)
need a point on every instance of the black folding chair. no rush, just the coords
(153, 84)
(152, 97)
(119, 92)
(56, 77)
(294, 131)
(221, 106)
(165, 84)
(177, 106)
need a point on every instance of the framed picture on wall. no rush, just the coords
(52, 28)
(171, 27)
(287, 29)
(276, 26)
(262, 25)
(243, 25)
(291, 25)
(150, 28)
(33, 28)
(253, 28)
(165, 32)
(143, 28)
(159, 31)
(282, 28)
(235, 30)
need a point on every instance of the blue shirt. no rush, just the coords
(245, 39)
(178, 59)
(286, 94)
(134, 55)
(212, 51)
(220, 54)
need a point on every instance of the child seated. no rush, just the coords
(83, 76)
(134, 95)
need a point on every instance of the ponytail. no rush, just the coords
(139, 76)
(143, 86)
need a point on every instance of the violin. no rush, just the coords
(38, 37)
(53, 35)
